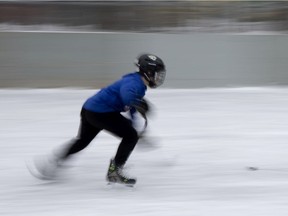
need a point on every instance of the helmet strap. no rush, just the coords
(147, 77)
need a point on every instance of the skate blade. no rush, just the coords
(36, 173)
(117, 184)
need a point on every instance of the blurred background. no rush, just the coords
(47, 44)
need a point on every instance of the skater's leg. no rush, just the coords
(119, 126)
(86, 134)
(129, 141)
(47, 168)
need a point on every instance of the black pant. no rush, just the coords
(92, 123)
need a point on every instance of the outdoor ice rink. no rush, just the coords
(205, 140)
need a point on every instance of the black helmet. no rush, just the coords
(152, 69)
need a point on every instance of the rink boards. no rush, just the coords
(33, 59)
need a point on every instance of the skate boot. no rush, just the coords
(115, 175)
(44, 167)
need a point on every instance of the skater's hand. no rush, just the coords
(142, 106)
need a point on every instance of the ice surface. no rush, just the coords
(206, 138)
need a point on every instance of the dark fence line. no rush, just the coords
(150, 16)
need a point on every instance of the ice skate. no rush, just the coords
(44, 168)
(115, 175)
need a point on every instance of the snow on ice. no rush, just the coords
(205, 139)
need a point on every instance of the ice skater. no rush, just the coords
(103, 111)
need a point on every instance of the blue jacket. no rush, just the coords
(119, 96)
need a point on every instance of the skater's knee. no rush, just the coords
(131, 135)
(77, 145)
